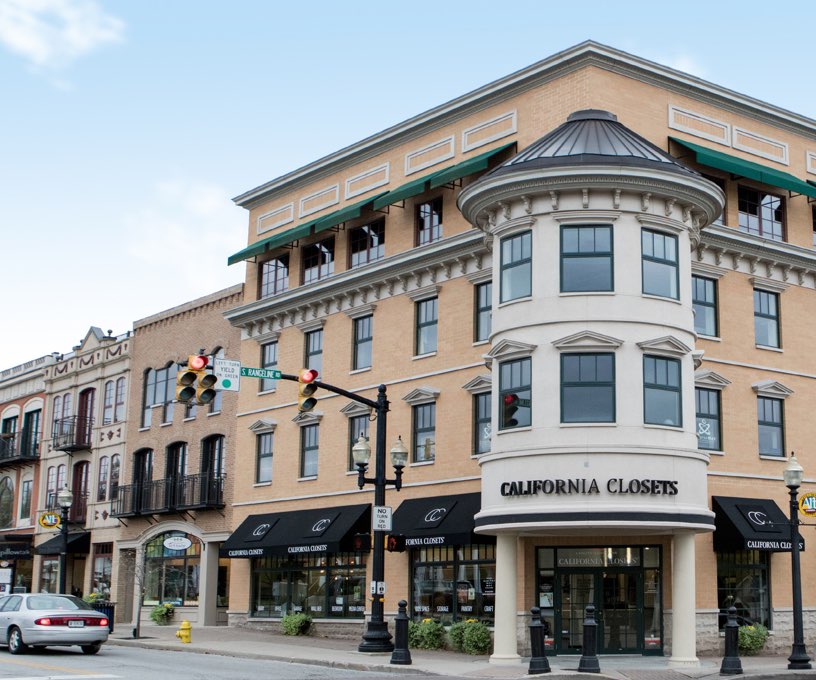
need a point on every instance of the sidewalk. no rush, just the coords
(240, 642)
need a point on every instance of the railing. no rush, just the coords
(78, 511)
(191, 492)
(17, 447)
(73, 433)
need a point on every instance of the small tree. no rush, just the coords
(134, 572)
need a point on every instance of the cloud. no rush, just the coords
(50, 34)
(685, 63)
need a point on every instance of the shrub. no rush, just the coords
(456, 635)
(162, 613)
(752, 638)
(296, 624)
(476, 639)
(427, 634)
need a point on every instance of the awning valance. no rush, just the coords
(445, 520)
(750, 524)
(350, 212)
(742, 168)
(272, 242)
(316, 530)
(78, 542)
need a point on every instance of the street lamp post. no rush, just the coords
(376, 637)
(65, 499)
(793, 474)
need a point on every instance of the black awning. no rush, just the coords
(15, 551)
(440, 520)
(309, 531)
(750, 524)
(78, 542)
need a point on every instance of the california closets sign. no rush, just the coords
(583, 486)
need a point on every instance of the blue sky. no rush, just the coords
(127, 127)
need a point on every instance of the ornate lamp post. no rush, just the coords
(65, 499)
(376, 638)
(793, 475)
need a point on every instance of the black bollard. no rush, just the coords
(401, 654)
(538, 660)
(589, 657)
(731, 664)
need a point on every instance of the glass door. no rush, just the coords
(577, 591)
(620, 610)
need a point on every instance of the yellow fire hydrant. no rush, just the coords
(185, 632)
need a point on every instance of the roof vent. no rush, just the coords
(592, 114)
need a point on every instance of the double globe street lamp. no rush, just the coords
(793, 475)
(65, 500)
(376, 638)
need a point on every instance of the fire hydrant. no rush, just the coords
(185, 632)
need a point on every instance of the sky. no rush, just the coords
(127, 127)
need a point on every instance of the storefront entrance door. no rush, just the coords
(617, 596)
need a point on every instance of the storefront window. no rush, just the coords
(103, 564)
(49, 574)
(172, 575)
(743, 581)
(320, 585)
(454, 583)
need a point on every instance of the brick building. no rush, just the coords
(587, 288)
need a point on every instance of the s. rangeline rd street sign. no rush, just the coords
(269, 373)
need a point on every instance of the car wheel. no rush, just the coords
(15, 642)
(91, 649)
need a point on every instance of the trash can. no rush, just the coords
(108, 609)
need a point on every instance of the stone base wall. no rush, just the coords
(328, 628)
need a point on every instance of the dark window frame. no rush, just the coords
(419, 311)
(358, 424)
(664, 387)
(421, 415)
(762, 231)
(273, 276)
(369, 241)
(426, 234)
(588, 384)
(482, 416)
(663, 261)
(482, 311)
(512, 264)
(362, 336)
(313, 350)
(318, 260)
(267, 361)
(579, 255)
(776, 425)
(525, 365)
(264, 449)
(696, 282)
(309, 446)
(703, 411)
(759, 295)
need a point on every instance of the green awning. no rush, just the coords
(350, 212)
(465, 168)
(409, 190)
(272, 242)
(742, 168)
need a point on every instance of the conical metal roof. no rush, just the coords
(591, 137)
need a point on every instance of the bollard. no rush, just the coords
(401, 654)
(589, 657)
(538, 661)
(731, 664)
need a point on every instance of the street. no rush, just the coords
(130, 663)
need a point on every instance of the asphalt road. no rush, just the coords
(129, 663)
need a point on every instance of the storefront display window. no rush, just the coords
(452, 583)
(172, 575)
(743, 581)
(321, 585)
(102, 567)
(49, 573)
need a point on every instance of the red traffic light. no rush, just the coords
(197, 362)
(307, 375)
(511, 399)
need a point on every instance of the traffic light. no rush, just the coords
(362, 543)
(185, 381)
(395, 543)
(205, 390)
(510, 404)
(306, 388)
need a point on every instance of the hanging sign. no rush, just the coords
(177, 543)
(50, 520)
(807, 504)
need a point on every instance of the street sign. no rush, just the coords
(381, 519)
(228, 373)
(270, 373)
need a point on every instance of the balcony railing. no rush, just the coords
(18, 447)
(192, 492)
(78, 511)
(74, 433)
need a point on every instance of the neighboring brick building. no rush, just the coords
(174, 501)
(576, 363)
(22, 401)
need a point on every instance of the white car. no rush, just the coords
(42, 620)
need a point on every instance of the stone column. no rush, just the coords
(505, 643)
(208, 585)
(684, 606)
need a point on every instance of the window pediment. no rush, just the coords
(584, 340)
(508, 349)
(771, 388)
(668, 345)
(361, 311)
(353, 409)
(263, 425)
(710, 380)
(421, 395)
(479, 384)
(424, 293)
(314, 325)
(768, 285)
(310, 418)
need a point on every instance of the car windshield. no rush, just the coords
(58, 602)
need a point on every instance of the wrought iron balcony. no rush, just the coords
(74, 433)
(77, 513)
(18, 447)
(191, 492)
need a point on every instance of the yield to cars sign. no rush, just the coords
(228, 373)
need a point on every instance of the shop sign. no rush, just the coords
(15, 551)
(177, 543)
(583, 486)
(807, 504)
(318, 547)
(50, 520)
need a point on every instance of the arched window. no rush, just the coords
(62, 481)
(172, 566)
(81, 491)
(102, 482)
(107, 408)
(212, 455)
(6, 502)
(119, 403)
(115, 467)
(51, 487)
(56, 415)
